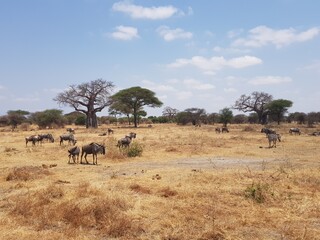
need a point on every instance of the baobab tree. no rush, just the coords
(88, 98)
(256, 102)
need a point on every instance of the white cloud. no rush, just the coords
(157, 87)
(173, 34)
(269, 80)
(140, 12)
(230, 90)
(125, 33)
(183, 95)
(212, 65)
(27, 99)
(194, 84)
(262, 36)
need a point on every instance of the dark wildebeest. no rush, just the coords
(110, 131)
(267, 131)
(70, 130)
(33, 139)
(68, 137)
(47, 136)
(272, 138)
(294, 130)
(125, 142)
(94, 149)
(224, 129)
(218, 130)
(74, 153)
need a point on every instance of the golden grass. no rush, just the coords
(189, 183)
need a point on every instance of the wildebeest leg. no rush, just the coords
(85, 157)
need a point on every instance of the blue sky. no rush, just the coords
(192, 53)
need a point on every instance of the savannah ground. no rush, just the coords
(189, 183)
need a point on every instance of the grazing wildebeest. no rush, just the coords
(267, 131)
(294, 130)
(47, 136)
(33, 139)
(224, 129)
(218, 130)
(94, 149)
(68, 137)
(272, 138)
(74, 153)
(70, 130)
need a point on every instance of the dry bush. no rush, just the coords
(249, 129)
(139, 189)
(27, 173)
(54, 207)
(167, 192)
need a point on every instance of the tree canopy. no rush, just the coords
(256, 102)
(226, 116)
(277, 109)
(132, 100)
(88, 98)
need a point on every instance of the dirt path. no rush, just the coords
(194, 164)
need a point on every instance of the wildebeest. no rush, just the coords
(125, 142)
(33, 139)
(68, 137)
(70, 130)
(47, 136)
(272, 138)
(92, 148)
(218, 130)
(267, 131)
(294, 130)
(224, 129)
(110, 131)
(74, 154)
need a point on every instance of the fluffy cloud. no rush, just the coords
(269, 80)
(125, 33)
(197, 85)
(262, 36)
(212, 65)
(172, 34)
(140, 12)
(157, 87)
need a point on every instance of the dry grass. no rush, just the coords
(189, 183)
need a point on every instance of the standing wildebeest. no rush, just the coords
(70, 130)
(224, 129)
(125, 142)
(267, 131)
(47, 136)
(272, 138)
(294, 130)
(33, 139)
(74, 153)
(94, 149)
(110, 131)
(68, 137)
(218, 130)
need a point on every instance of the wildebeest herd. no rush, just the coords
(95, 148)
(74, 152)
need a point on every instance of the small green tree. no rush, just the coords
(277, 109)
(132, 100)
(226, 116)
(48, 118)
(17, 117)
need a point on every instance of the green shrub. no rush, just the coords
(135, 150)
(257, 192)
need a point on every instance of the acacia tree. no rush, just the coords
(88, 98)
(226, 116)
(256, 102)
(277, 108)
(132, 100)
